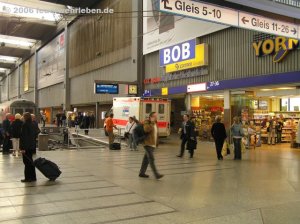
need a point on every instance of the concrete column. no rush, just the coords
(188, 103)
(35, 90)
(138, 67)
(227, 108)
(19, 82)
(97, 115)
(7, 86)
(67, 105)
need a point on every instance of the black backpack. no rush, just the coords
(139, 133)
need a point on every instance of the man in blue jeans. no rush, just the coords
(150, 143)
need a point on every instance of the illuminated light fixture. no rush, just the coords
(200, 87)
(265, 90)
(3, 70)
(27, 12)
(8, 59)
(286, 88)
(11, 41)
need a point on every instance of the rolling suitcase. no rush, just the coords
(115, 146)
(48, 168)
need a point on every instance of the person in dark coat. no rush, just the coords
(92, 121)
(27, 146)
(218, 132)
(7, 145)
(187, 133)
(86, 121)
(16, 128)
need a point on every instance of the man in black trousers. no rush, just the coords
(187, 131)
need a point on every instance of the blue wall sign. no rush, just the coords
(106, 88)
(180, 52)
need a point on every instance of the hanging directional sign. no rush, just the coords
(213, 13)
(266, 25)
(200, 11)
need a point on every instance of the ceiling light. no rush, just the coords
(286, 88)
(3, 70)
(11, 41)
(8, 59)
(265, 90)
(27, 12)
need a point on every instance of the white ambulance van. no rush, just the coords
(125, 107)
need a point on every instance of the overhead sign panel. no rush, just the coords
(267, 25)
(201, 11)
(210, 12)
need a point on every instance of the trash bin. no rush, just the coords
(43, 142)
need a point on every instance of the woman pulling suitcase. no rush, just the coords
(27, 146)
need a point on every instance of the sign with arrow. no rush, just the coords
(267, 25)
(201, 11)
(213, 13)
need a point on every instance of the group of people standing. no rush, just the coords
(20, 134)
(82, 120)
(274, 129)
(218, 132)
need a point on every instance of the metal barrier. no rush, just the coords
(92, 136)
(75, 138)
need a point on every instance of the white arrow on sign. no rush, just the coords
(201, 11)
(267, 25)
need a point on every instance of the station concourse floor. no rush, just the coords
(102, 186)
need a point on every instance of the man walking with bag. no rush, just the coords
(187, 133)
(150, 143)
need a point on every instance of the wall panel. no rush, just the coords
(82, 87)
(51, 96)
(13, 84)
(98, 41)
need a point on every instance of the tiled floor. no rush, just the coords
(101, 186)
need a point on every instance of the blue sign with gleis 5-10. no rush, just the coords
(180, 52)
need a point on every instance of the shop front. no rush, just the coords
(250, 75)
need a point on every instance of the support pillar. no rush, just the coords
(19, 82)
(67, 104)
(188, 104)
(35, 90)
(227, 109)
(7, 82)
(97, 115)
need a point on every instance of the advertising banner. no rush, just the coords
(201, 59)
(162, 30)
(52, 63)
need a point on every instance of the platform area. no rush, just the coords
(102, 186)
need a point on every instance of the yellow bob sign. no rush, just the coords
(201, 59)
(280, 46)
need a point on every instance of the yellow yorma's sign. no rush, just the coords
(201, 59)
(280, 47)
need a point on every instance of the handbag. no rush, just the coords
(191, 144)
(243, 147)
(225, 149)
(126, 134)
